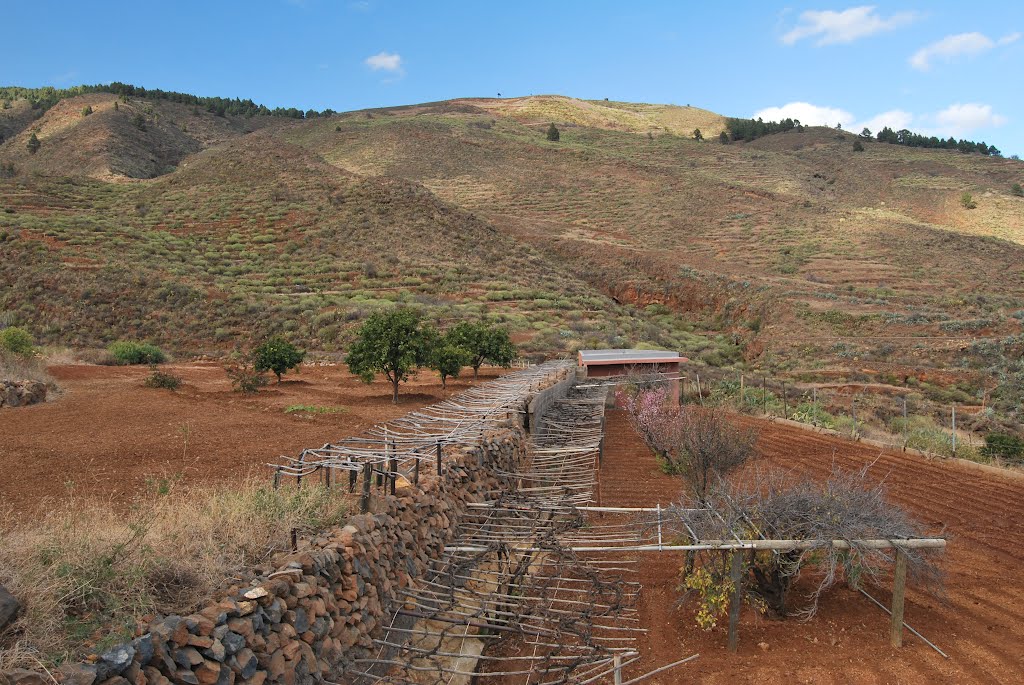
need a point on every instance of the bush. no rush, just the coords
(244, 378)
(553, 135)
(16, 340)
(967, 201)
(162, 379)
(1015, 189)
(129, 353)
(858, 146)
(1003, 446)
(87, 110)
(33, 144)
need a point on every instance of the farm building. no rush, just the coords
(605, 363)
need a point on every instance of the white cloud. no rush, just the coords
(957, 120)
(960, 119)
(957, 45)
(385, 61)
(895, 119)
(832, 27)
(808, 114)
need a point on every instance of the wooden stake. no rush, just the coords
(416, 472)
(393, 472)
(364, 504)
(617, 661)
(899, 588)
(352, 476)
(785, 404)
(438, 457)
(737, 597)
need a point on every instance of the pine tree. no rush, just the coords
(553, 134)
(33, 144)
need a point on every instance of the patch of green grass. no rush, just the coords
(313, 409)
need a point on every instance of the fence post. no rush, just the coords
(898, 591)
(438, 457)
(954, 430)
(814, 405)
(416, 470)
(785, 403)
(617, 664)
(764, 395)
(352, 476)
(364, 504)
(737, 598)
(742, 397)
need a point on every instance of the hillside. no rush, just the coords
(791, 254)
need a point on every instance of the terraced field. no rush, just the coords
(977, 623)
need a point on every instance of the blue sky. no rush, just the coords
(946, 68)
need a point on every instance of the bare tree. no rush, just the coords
(778, 505)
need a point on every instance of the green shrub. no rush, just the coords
(129, 352)
(1004, 446)
(1015, 189)
(16, 340)
(244, 378)
(967, 201)
(278, 355)
(162, 379)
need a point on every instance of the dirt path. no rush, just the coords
(980, 624)
(107, 436)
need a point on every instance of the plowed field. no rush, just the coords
(107, 436)
(979, 623)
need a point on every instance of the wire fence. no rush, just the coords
(898, 417)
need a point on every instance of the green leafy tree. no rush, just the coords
(278, 355)
(697, 135)
(484, 344)
(866, 134)
(16, 340)
(723, 138)
(33, 144)
(447, 358)
(87, 110)
(393, 342)
(553, 134)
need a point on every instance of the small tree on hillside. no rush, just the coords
(33, 144)
(1016, 189)
(858, 146)
(697, 135)
(278, 355)
(87, 110)
(866, 134)
(553, 134)
(484, 344)
(447, 358)
(723, 138)
(392, 342)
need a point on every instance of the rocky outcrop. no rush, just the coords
(21, 393)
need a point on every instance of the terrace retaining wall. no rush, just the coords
(309, 614)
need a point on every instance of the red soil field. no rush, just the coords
(107, 436)
(979, 623)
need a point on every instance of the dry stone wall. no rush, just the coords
(21, 393)
(311, 613)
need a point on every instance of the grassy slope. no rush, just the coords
(793, 250)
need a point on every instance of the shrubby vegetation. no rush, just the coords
(16, 340)
(44, 98)
(129, 352)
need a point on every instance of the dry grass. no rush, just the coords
(16, 367)
(87, 573)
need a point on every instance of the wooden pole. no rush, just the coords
(416, 472)
(352, 476)
(438, 457)
(741, 391)
(737, 598)
(700, 395)
(393, 473)
(617, 662)
(764, 395)
(785, 404)
(814, 403)
(364, 504)
(277, 477)
(954, 430)
(899, 588)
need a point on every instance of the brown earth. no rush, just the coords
(107, 436)
(978, 623)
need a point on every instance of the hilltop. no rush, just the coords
(791, 253)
